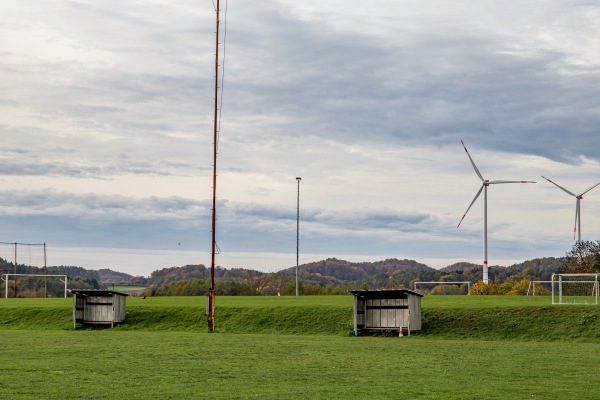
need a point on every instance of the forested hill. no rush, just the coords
(110, 276)
(332, 276)
(174, 274)
(460, 266)
(347, 271)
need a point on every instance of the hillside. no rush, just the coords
(110, 276)
(334, 276)
(459, 267)
(448, 317)
(346, 271)
(330, 276)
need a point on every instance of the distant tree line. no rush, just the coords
(334, 277)
(329, 277)
(337, 277)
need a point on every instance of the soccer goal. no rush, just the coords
(445, 287)
(34, 285)
(575, 288)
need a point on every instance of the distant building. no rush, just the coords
(98, 307)
(386, 310)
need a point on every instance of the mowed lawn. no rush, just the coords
(174, 365)
(61, 363)
(293, 301)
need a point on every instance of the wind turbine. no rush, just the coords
(577, 227)
(484, 186)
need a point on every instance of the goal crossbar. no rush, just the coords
(6, 279)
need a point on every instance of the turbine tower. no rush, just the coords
(577, 228)
(484, 186)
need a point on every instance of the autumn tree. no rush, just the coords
(521, 288)
(480, 288)
(583, 258)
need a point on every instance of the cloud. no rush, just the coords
(433, 86)
(107, 126)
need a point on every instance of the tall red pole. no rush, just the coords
(211, 294)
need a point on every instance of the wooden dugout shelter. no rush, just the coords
(93, 306)
(386, 310)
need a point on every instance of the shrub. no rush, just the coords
(480, 288)
(505, 287)
(520, 288)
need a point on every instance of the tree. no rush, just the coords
(480, 288)
(520, 288)
(446, 290)
(582, 259)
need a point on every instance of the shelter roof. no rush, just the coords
(96, 292)
(384, 294)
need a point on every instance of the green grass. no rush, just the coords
(448, 317)
(293, 301)
(183, 365)
(495, 347)
(126, 288)
(454, 302)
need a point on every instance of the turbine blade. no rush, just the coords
(589, 189)
(470, 205)
(557, 185)
(493, 182)
(473, 163)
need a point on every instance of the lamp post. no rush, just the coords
(298, 179)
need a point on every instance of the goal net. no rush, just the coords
(575, 288)
(539, 288)
(23, 271)
(443, 288)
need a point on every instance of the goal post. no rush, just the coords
(459, 283)
(537, 288)
(7, 279)
(575, 288)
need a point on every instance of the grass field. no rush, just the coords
(128, 288)
(289, 348)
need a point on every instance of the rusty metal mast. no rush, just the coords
(211, 294)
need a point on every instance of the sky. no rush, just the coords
(106, 123)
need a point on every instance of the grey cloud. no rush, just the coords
(63, 219)
(427, 89)
(112, 207)
(39, 167)
(130, 92)
(371, 219)
(256, 227)
(347, 219)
